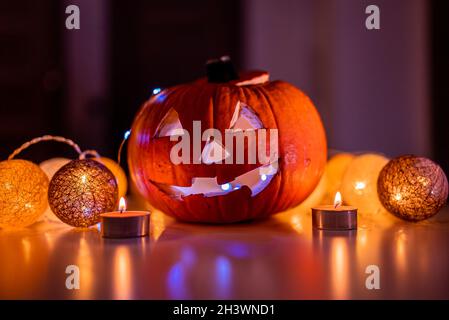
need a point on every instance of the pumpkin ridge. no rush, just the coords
(172, 168)
(243, 93)
(292, 105)
(175, 167)
(187, 93)
(216, 101)
(280, 171)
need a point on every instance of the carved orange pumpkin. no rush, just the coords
(273, 159)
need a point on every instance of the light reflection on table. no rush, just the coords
(279, 258)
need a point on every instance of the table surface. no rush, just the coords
(278, 258)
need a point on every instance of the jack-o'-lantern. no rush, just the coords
(227, 148)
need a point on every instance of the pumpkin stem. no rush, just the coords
(220, 70)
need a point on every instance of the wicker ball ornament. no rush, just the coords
(23, 193)
(81, 190)
(359, 184)
(335, 170)
(118, 172)
(50, 167)
(413, 188)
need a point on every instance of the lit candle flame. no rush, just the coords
(337, 200)
(122, 204)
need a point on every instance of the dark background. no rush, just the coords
(384, 90)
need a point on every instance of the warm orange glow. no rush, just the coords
(122, 204)
(86, 264)
(26, 249)
(159, 224)
(337, 199)
(339, 268)
(122, 267)
(401, 254)
(297, 223)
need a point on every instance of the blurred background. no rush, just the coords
(381, 90)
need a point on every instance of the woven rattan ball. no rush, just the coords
(413, 188)
(23, 193)
(81, 190)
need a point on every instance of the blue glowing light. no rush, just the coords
(176, 282)
(223, 277)
(127, 134)
(225, 187)
(263, 177)
(156, 91)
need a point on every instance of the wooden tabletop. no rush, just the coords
(279, 258)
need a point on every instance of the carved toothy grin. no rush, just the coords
(256, 180)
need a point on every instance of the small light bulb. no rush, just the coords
(263, 177)
(360, 185)
(156, 91)
(225, 187)
(127, 134)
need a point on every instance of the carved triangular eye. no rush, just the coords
(244, 118)
(170, 125)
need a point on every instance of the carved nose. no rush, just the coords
(214, 152)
